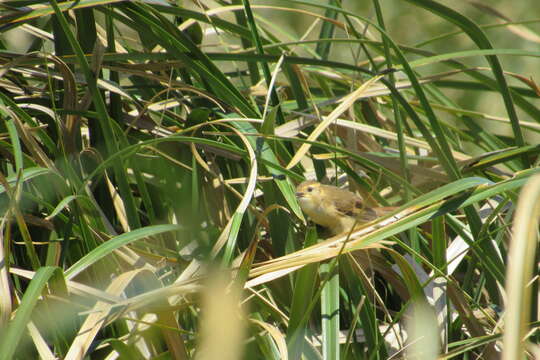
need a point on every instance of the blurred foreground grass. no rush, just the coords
(150, 151)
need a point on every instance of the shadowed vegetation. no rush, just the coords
(150, 153)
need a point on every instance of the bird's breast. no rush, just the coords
(319, 212)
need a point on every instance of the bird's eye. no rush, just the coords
(309, 189)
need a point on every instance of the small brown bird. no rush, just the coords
(336, 209)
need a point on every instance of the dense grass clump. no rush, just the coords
(150, 153)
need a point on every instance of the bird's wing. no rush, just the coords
(370, 214)
(349, 204)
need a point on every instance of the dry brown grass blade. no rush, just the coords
(118, 204)
(98, 317)
(276, 268)
(277, 335)
(74, 287)
(246, 197)
(13, 209)
(70, 123)
(31, 144)
(40, 343)
(293, 127)
(346, 103)
(225, 9)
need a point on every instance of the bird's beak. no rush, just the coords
(299, 194)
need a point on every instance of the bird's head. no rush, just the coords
(309, 193)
